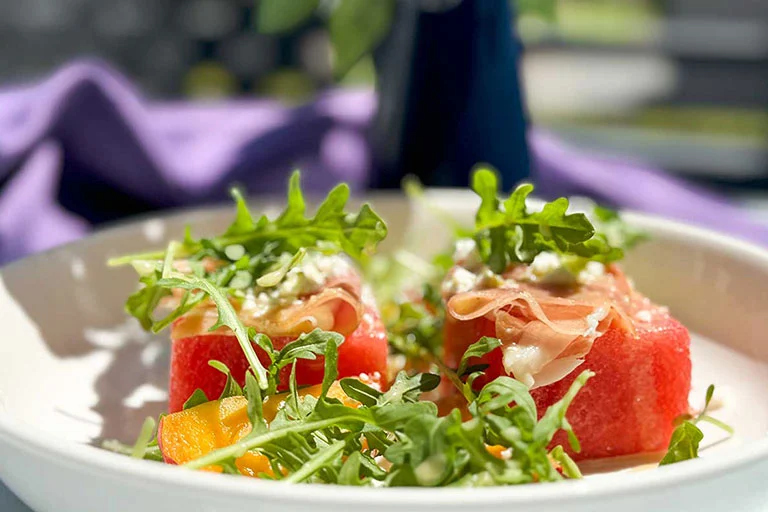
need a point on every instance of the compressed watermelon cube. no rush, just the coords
(364, 351)
(641, 384)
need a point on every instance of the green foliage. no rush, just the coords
(319, 439)
(197, 398)
(416, 330)
(357, 27)
(479, 348)
(506, 232)
(231, 387)
(275, 16)
(249, 251)
(686, 438)
(144, 440)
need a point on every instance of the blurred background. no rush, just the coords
(678, 87)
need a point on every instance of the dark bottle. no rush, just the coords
(449, 94)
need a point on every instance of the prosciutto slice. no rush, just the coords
(336, 307)
(547, 331)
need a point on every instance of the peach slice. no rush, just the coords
(187, 435)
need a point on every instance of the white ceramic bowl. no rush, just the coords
(73, 370)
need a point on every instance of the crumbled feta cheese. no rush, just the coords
(487, 278)
(550, 268)
(593, 270)
(644, 316)
(519, 360)
(466, 253)
(545, 263)
(461, 280)
(594, 319)
(309, 276)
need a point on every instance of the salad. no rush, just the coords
(298, 354)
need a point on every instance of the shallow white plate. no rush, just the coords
(73, 370)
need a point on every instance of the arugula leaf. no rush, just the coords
(361, 392)
(350, 471)
(145, 300)
(195, 399)
(686, 438)
(496, 396)
(309, 346)
(231, 387)
(255, 404)
(568, 466)
(506, 233)
(260, 251)
(144, 439)
(274, 277)
(407, 388)
(316, 463)
(227, 316)
(554, 419)
(331, 362)
(684, 444)
(481, 347)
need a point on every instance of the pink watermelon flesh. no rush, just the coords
(363, 351)
(641, 385)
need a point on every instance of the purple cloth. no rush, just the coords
(83, 147)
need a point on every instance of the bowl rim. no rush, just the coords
(87, 458)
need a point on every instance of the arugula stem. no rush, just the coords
(251, 443)
(452, 376)
(145, 436)
(125, 260)
(226, 310)
(315, 464)
(225, 240)
(716, 422)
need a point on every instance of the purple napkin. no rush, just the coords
(83, 147)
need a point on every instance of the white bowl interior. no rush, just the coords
(76, 369)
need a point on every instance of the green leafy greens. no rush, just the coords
(506, 232)
(393, 437)
(323, 440)
(686, 438)
(249, 251)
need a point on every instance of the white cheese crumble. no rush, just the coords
(594, 319)
(644, 316)
(466, 254)
(519, 360)
(549, 267)
(309, 276)
(545, 263)
(592, 271)
(460, 280)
